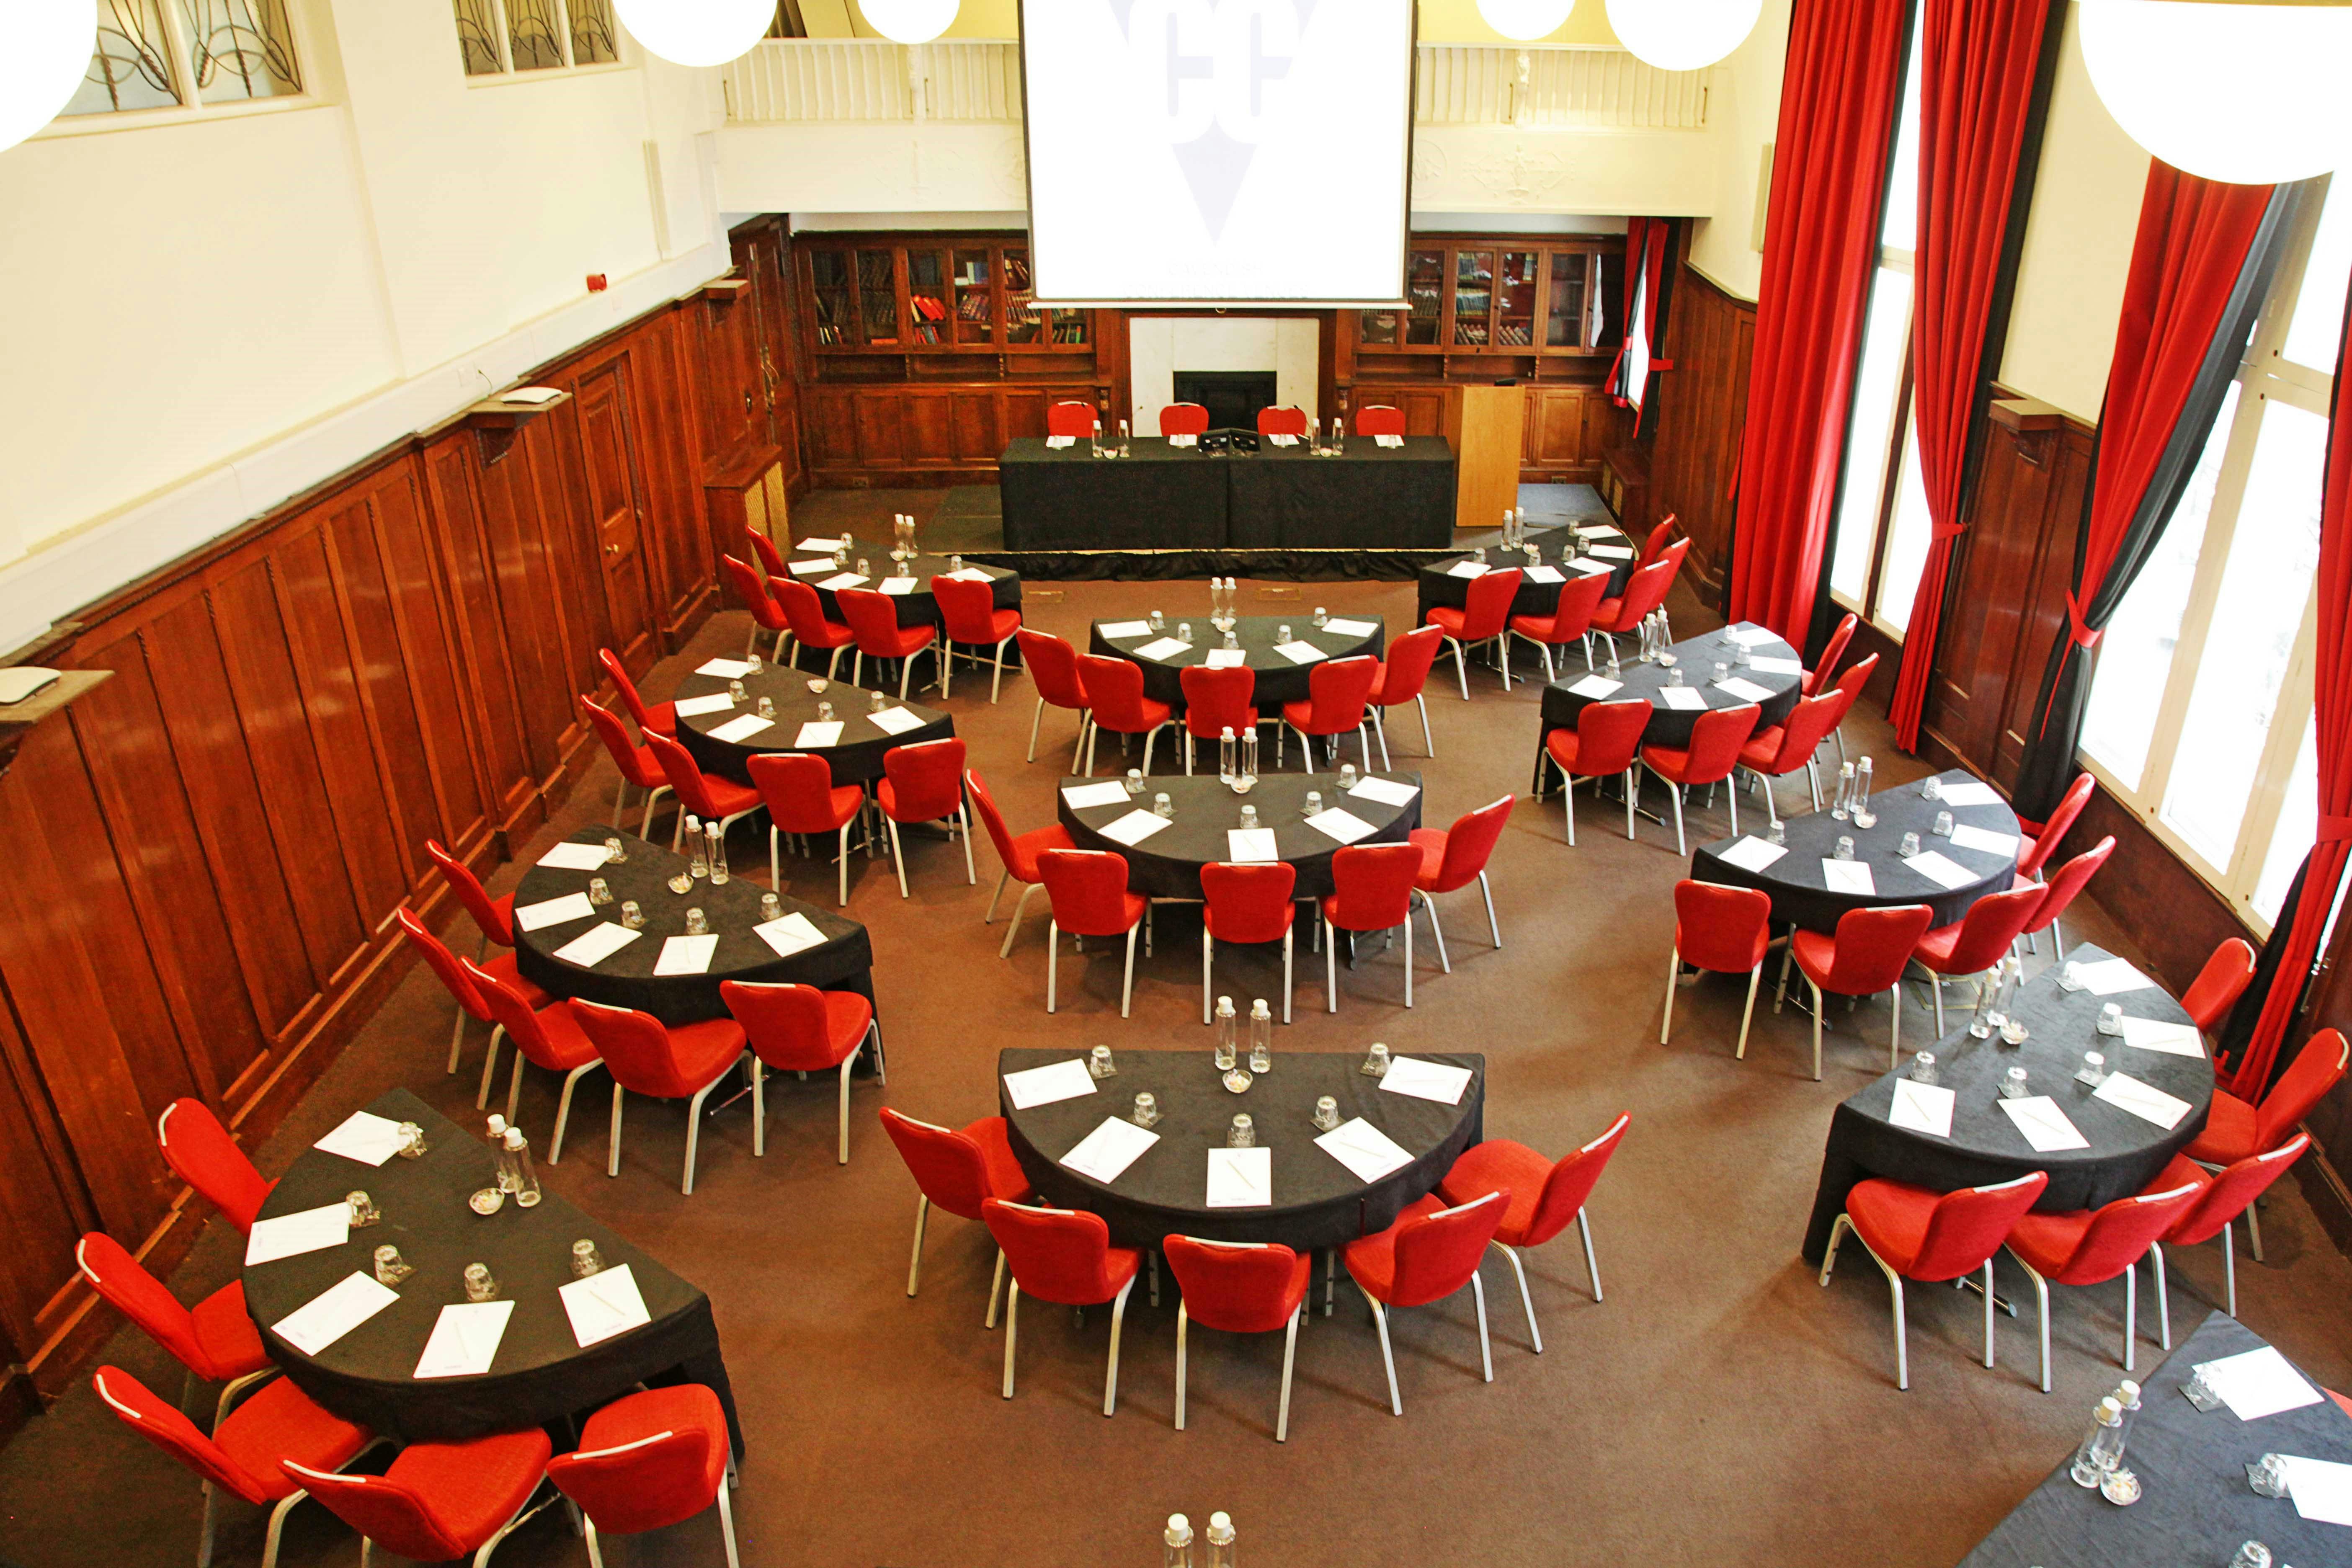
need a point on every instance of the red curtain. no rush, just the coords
(1979, 59)
(1843, 83)
(1629, 374)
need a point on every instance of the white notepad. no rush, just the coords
(1391, 442)
(1288, 441)
(465, 1340)
(1045, 1085)
(1746, 690)
(334, 1313)
(1108, 793)
(606, 1304)
(742, 728)
(1426, 1079)
(897, 586)
(1544, 575)
(1777, 665)
(2261, 1383)
(895, 721)
(1752, 853)
(1183, 440)
(2112, 977)
(1251, 845)
(1922, 1108)
(2172, 1039)
(291, 1235)
(1110, 1149)
(819, 732)
(1750, 635)
(2322, 1489)
(1227, 658)
(1984, 842)
(1589, 568)
(1337, 822)
(1337, 627)
(1971, 792)
(1113, 631)
(1299, 652)
(1936, 868)
(1848, 876)
(1057, 443)
(2042, 1124)
(789, 934)
(686, 955)
(575, 857)
(1388, 792)
(1162, 648)
(971, 574)
(1612, 552)
(1364, 1149)
(1683, 698)
(554, 911)
(2144, 1101)
(363, 1136)
(1241, 1178)
(727, 668)
(827, 545)
(695, 706)
(1596, 685)
(1468, 569)
(1135, 827)
(597, 943)
(810, 568)
(842, 580)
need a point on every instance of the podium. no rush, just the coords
(1484, 426)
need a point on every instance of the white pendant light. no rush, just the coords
(1526, 20)
(49, 45)
(909, 21)
(1683, 35)
(697, 32)
(2252, 94)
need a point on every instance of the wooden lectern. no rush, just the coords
(1484, 426)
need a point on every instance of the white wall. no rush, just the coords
(1160, 346)
(1745, 114)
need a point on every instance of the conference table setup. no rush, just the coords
(1680, 686)
(1205, 825)
(786, 709)
(909, 582)
(1545, 563)
(1280, 651)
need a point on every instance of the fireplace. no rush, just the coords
(1233, 397)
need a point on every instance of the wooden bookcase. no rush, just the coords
(881, 297)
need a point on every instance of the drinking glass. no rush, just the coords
(1099, 1065)
(391, 1268)
(1249, 818)
(2252, 1554)
(876, 703)
(772, 907)
(1943, 825)
(2095, 1069)
(1146, 1109)
(2012, 1086)
(1314, 803)
(1776, 833)
(1347, 777)
(1931, 787)
(613, 852)
(363, 1210)
(1156, 621)
(824, 712)
(1327, 1112)
(479, 1285)
(1923, 1067)
(767, 708)
(1909, 846)
(599, 891)
(1845, 847)
(2111, 1020)
(1376, 1061)
(2199, 1390)
(1722, 671)
(735, 689)
(411, 1140)
(2070, 976)
(696, 924)
(1162, 806)
(1322, 616)
(1183, 631)
(1282, 632)
(1244, 1134)
(863, 570)
(631, 916)
(1135, 780)
(585, 1259)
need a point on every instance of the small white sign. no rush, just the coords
(1110, 1149)
(465, 1340)
(1923, 1108)
(1426, 1079)
(895, 721)
(742, 728)
(686, 955)
(1045, 1085)
(554, 911)
(1135, 827)
(597, 943)
(291, 1235)
(334, 1313)
(1251, 845)
(1752, 853)
(2042, 1124)
(1849, 877)
(606, 1304)
(1241, 1178)
(819, 733)
(1082, 796)
(789, 934)
(1339, 823)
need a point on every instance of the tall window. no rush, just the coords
(163, 54)
(2201, 713)
(513, 38)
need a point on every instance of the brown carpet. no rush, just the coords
(1719, 1407)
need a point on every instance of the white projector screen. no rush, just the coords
(1231, 152)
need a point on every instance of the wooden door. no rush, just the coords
(760, 256)
(608, 471)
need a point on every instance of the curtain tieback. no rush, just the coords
(1947, 531)
(2086, 637)
(2334, 829)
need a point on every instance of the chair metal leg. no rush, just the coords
(1427, 744)
(995, 1285)
(1388, 1356)
(1288, 944)
(1494, 926)
(898, 857)
(490, 1065)
(1567, 798)
(1184, 1322)
(1592, 1264)
(1331, 969)
(963, 820)
(1747, 1013)
(1674, 973)
(1381, 727)
(1207, 942)
(1126, 986)
(848, 1062)
(1462, 673)
(514, 1088)
(1036, 719)
(842, 858)
(915, 1263)
(2163, 1297)
(1486, 1350)
(996, 682)
(1013, 927)
(1680, 847)
(989, 919)
(1535, 1335)
(1988, 1310)
(2228, 1272)
(1631, 791)
(2042, 1300)
(2131, 1313)
(1117, 1319)
(456, 1039)
(1431, 905)
(694, 1122)
(1053, 961)
(1290, 1358)
(612, 1157)
(2253, 1234)
(1408, 955)
(278, 1529)
(1817, 1028)
(1894, 1033)
(727, 1529)
(1012, 1333)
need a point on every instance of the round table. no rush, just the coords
(1319, 1202)
(1278, 680)
(1799, 885)
(2126, 1151)
(541, 1376)
(1441, 583)
(1696, 658)
(855, 758)
(1168, 864)
(843, 962)
(917, 606)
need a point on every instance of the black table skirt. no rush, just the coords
(1367, 497)
(918, 607)
(1161, 498)
(1278, 680)
(1168, 864)
(2125, 1152)
(1319, 1202)
(857, 760)
(1435, 585)
(1696, 657)
(541, 1376)
(626, 979)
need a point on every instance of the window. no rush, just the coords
(513, 38)
(168, 54)
(2200, 712)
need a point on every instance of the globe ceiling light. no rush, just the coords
(2247, 93)
(49, 51)
(1683, 35)
(909, 21)
(1526, 20)
(697, 32)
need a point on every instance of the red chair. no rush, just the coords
(1065, 1256)
(1717, 737)
(1430, 1252)
(798, 790)
(1914, 1234)
(1053, 667)
(216, 1342)
(1071, 418)
(958, 1171)
(665, 1061)
(439, 1500)
(1975, 943)
(2034, 853)
(1722, 931)
(549, 1037)
(772, 559)
(659, 719)
(2229, 1193)
(767, 615)
(1645, 590)
(636, 765)
(1453, 857)
(2234, 1130)
(1404, 677)
(1570, 621)
(1216, 700)
(1852, 683)
(445, 965)
(1380, 419)
(1655, 546)
(2218, 985)
(924, 783)
(1019, 855)
(1606, 743)
(799, 1029)
(1338, 697)
(1539, 1197)
(1811, 682)
(874, 628)
(1184, 419)
(713, 799)
(242, 1457)
(494, 918)
(1373, 890)
(1088, 892)
(2065, 884)
(1240, 1287)
(202, 1154)
(1778, 750)
(1248, 903)
(648, 1461)
(968, 618)
(1281, 422)
(1484, 617)
(1867, 956)
(1115, 701)
(2091, 1246)
(804, 612)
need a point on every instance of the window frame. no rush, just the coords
(508, 75)
(192, 108)
(1899, 439)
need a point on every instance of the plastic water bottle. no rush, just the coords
(1261, 1036)
(525, 1171)
(697, 864)
(2102, 1449)
(1176, 1542)
(1228, 1027)
(1221, 1541)
(1226, 747)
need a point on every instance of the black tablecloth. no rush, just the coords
(1801, 896)
(541, 1376)
(1370, 497)
(917, 606)
(1168, 864)
(626, 978)
(1437, 585)
(1319, 1202)
(1278, 680)
(2125, 1152)
(1696, 658)
(1161, 498)
(856, 760)
(2195, 1507)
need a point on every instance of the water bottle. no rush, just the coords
(697, 865)
(1221, 1541)
(1122, 438)
(2100, 1452)
(1249, 755)
(1859, 805)
(509, 1177)
(497, 1132)
(526, 1170)
(1227, 1028)
(1226, 747)
(1261, 1036)
(1844, 791)
(1176, 1549)
(716, 854)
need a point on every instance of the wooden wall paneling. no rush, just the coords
(1695, 424)
(604, 477)
(881, 427)
(977, 421)
(1024, 413)
(929, 425)
(832, 427)
(719, 334)
(1425, 408)
(760, 255)
(476, 580)
(43, 1211)
(672, 447)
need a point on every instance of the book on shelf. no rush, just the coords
(973, 307)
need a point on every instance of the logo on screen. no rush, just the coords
(1221, 71)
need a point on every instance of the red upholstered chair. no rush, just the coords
(1814, 680)
(648, 1461)
(1338, 698)
(1184, 419)
(1606, 743)
(767, 615)
(1115, 701)
(969, 618)
(2233, 1130)
(1373, 890)
(1857, 676)
(711, 798)
(1281, 422)
(804, 612)
(1539, 1197)
(1240, 1287)
(1453, 857)
(216, 1342)
(661, 719)
(1088, 892)
(875, 630)
(958, 1170)
(772, 559)
(798, 790)
(1570, 621)
(1071, 418)
(799, 1029)
(1655, 547)
(1867, 956)
(665, 1061)
(1976, 941)
(1019, 855)
(2034, 854)
(549, 1038)
(1430, 1252)
(1216, 700)
(242, 1457)
(1645, 590)
(1404, 677)
(1053, 667)
(1246, 903)
(636, 765)
(1380, 419)
(1065, 1256)
(202, 1154)
(1911, 1233)
(2230, 1192)
(2220, 984)
(1778, 750)
(439, 1500)
(2065, 884)
(1484, 617)
(1722, 931)
(1717, 737)
(924, 783)
(494, 918)
(2091, 1246)
(445, 965)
